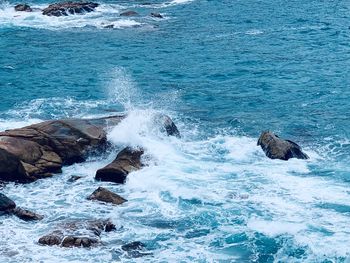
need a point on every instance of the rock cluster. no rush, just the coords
(69, 8)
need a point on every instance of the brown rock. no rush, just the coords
(127, 160)
(277, 148)
(104, 195)
(70, 234)
(26, 215)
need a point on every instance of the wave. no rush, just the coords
(200, 197)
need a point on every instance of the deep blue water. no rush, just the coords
(224, 71)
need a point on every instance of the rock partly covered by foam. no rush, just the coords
(156, 15)
(38, 150)
(127, 160)
(27, 215)
(8, 206)
(104, 195)
(129, 13)
(78, 233)
(23, 8)
(69, 8)
(277, 148)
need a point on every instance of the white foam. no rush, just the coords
(105, 14)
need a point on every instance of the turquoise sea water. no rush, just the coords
(224, 71)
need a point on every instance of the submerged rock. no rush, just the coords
(74, 178)
(69, 8)
(78, 233)
(6, 204)
(23, 8)
(104, 195)
(127, 160)
(156, 15)
(129, 13)
(135, 249)
(277, 148)
(26, 215)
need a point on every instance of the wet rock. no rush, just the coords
(26, 215)
(104, 195)
(127, 160)
(74, 178)
(37, 151)
(134, 249)
(129, 13)
(109, 26)
(167, 125)
(156, 15)
(78, 233)
(23, 8)
(277, 148)
(6, 204)
(69, 8)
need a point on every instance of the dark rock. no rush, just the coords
(277, 148)
(134, 249)
(26, 215)
(129, 13)
(69, 8)
(156, 15)
(77, 234)
(104, 195)
(167, 125)
(6, 204)
(127, 160)
(23, 8)
(74, 178)
(109, 26)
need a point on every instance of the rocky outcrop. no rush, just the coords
(129, 13)
(37, 151)
(78, 234)
(277, 148)
(127, 160)
(6, 204)
(69, 8)
(23, 8)
(104, 195)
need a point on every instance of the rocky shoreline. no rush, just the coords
(41, 150)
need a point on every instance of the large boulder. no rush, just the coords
(127, 160)
(104, 195)
(277, 148)
(6, 204)
(37, 151)
(77, 233)
(23, 8)
(69, 8)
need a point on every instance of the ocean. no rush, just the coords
(224, 71)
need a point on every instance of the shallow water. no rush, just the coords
(224, 71)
